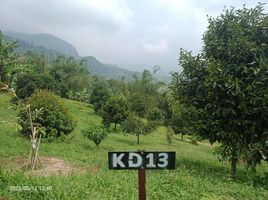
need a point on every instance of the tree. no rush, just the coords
(178, 120)
(115, 110)
(139, 104)
(96, 134)
(143, 94)
(70, 75)
(99, 96)
(225, 87)
(7, 57)
(135, 125)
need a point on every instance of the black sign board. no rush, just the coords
(141, 160)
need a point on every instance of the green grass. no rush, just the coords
(198, 174)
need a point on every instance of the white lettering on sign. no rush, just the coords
(141, 160)
(150, 156)
(131, 160)
(163, 158)
(117, 160)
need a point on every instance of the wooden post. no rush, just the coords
(142, 184)
(36, 153)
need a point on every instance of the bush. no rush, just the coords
(26, 84)
(96, 134)
(48, 112)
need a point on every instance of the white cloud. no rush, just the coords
(130, 33)
(114, 10)
(156, 47)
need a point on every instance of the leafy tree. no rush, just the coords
(7, 58)
(96, 134)
(37, 63)
(139, 104)
(179, 120)
(134, 125)
(54, 118)
(117, 86)
(225, 87)
(115, 110)
(143, 94)
(70, 75)
(99, 96)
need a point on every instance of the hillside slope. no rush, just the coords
(108, 71)
(198, 174)
(46, 40)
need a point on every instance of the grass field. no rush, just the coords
(198, 174)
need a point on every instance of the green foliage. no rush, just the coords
(169, 135)
(180, 120)
(70, 75)
(143, 94)
(96, 134)
(54, 117)
(225, 88)
(139, 104)
(156, 114)
(26, 84)
(8, 58)
(134, 125)
(99, 96)
(82, 96)
(115, 110)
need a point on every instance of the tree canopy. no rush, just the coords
(225, 87)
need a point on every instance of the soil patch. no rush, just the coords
(52, 166)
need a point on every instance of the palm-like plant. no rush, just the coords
(7, 57)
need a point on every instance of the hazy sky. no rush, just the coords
(133, 34)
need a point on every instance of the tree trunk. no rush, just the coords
(115, 126)
(233, 168)
(181, 137)
(138, 139)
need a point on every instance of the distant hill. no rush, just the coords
(25, 47)
(108, 71)
(47, 41)
(51, 47)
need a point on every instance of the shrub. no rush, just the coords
(54, 116)
(26, 84)
(96, 134)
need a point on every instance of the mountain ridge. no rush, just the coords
(46, 40)
(93, 64)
